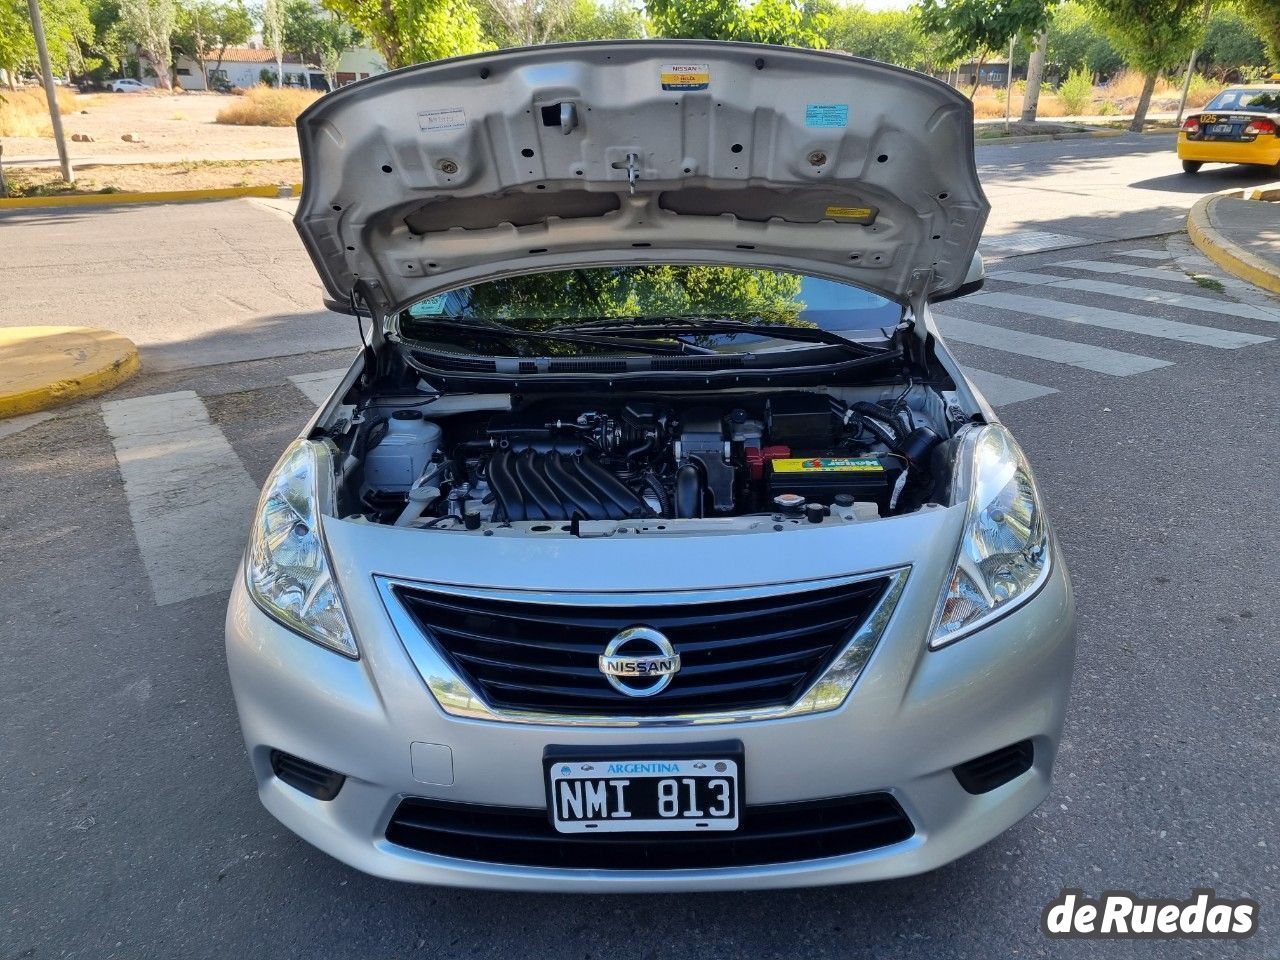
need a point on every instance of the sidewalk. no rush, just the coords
(131, 160)
(1241, 235)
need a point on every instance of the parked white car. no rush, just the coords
(128, 85)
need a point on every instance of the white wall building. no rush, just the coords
(242, 67)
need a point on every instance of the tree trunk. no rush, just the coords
(1144, 102)
(977, 76)
(1035, 73)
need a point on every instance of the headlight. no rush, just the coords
(287, 566)
(1004, 552)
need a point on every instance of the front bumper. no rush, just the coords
(912, 716)
(1264, 150)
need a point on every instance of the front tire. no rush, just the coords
(1191, 166)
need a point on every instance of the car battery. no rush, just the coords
(821, 479)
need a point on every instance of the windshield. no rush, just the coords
(1246, 100)
(620, 310)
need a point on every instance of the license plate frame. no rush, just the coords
(630, 759)
(1222, 130)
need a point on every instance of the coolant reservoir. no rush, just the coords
(403, 455)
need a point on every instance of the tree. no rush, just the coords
(763, 21)
(273, 34)
(205, 28)
(611, 20)
(1232, 41)
(891, 36)
(149, 24)
(1265, 16)
(412, 31)
(318, 36)
(961, 28)
(1153, 35)
(1075, 42)
(66, 27)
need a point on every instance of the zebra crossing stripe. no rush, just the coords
(1128, 269)
(1087, 357)
(1115, 320)
(1226, 308)
(1146, 254)
(318, 387)
(190, 497)
(1001, 391)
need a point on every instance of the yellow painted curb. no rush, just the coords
(156, 196)
(42, 367)
(1234, 259)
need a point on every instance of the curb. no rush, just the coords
(1232, 258)
(48, 366)
(1046, 137)
(157, 196)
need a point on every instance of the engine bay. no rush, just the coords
(646, 462)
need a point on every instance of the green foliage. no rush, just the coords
(1076, 92)
(150, 24)
(1231, 41)
(66, 26)
(658, 290)
(205, 28)
(612, 20)
(1152, 35)
(316, 35)
(961, 28)
(893, 36)
(413, 31)
(784, 22)
(1265, 17)
(1076, 41)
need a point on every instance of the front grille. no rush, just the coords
(735, 654)
(773, 833)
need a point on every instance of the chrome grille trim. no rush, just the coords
(457, 698)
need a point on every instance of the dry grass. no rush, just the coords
(25, 113)
(133, 178)
(988, 104)
(267, 107)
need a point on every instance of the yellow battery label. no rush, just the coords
(828, 465)
(685, 76)
(850, 213)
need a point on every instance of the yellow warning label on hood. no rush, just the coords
(685, 76)
(850, 213)
(828, 465)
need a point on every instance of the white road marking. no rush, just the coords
(190, 497)
(1146, 254)
(317, 387)
(1226, 308)
(1115, 320)
(22, 422)
(1001, 391)
(1099, 359)
(1128, 269)
(1032, 242)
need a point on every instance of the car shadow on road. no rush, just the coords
(1211, 180)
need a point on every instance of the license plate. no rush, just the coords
(644, 794)
(1221, 128)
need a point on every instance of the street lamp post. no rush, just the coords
(50, 93)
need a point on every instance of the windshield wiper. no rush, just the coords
(714, 325)
(567, 335)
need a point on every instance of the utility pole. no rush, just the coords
(1191, 64)
(50, 92)
(1008, 85)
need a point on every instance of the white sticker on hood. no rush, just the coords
(451, 119)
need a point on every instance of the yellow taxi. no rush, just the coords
(1239, 125)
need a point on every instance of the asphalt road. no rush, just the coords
(131, 824)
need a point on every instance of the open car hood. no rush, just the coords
(453, 172)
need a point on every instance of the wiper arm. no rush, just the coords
(567, 335)
(780, 331)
